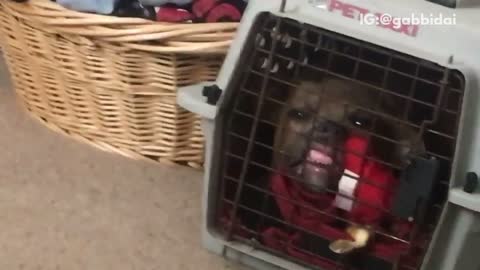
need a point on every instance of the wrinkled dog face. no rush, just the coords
(315, 124)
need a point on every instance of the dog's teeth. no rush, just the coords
(317, 161)
(319, 157)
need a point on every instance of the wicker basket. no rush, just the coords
(112, 81)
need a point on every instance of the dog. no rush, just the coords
(318, 115)
(315, 123)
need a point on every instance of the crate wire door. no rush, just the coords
(281, 51)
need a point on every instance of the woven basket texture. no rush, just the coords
(112, 81)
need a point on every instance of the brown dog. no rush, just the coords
(318, 115)
(315, 123)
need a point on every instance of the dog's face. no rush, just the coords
(317, 120)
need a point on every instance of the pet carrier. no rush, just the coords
(335, 143)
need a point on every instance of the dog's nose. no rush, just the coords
(325, 130)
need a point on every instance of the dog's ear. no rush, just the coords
(403, 143)
(408, 149)
(391, 106)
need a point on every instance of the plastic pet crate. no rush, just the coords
(418, 212)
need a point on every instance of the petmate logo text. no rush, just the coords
(368, 17)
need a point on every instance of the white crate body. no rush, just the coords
(453, 46)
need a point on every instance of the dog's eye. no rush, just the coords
(361, 120)
(298, 115)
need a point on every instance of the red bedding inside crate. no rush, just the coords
(317, 213)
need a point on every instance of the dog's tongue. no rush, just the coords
(313, 172)
(319, 157)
